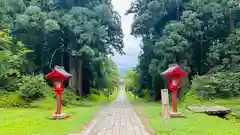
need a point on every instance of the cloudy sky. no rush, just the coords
(131, 44)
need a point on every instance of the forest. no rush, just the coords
(202, 36)
(36, 35)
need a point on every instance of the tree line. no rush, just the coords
(202, 36)
(79, 35)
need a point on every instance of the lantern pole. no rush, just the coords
(59, 104)
(174, 100)
(57, 107)
(173, 93)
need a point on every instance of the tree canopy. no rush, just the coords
(199, 35)
(79, 35)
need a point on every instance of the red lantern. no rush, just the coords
(174, 75)
(58, 76)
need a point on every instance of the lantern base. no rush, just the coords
(176, 115)
(59, 116)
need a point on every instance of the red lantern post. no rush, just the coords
(174, 75)
(58, 76)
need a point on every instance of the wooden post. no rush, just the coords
(165, 102)
(165, 106)
(58, 110)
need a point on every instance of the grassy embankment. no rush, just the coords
(194, 124)
(34, 121)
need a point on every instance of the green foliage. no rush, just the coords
(111, 74)
(68, 97)
(227, 53)
(12, 100)
(32, 87)
(48, 103)
(102, 95)
(57, 31)
(95, 95)
(12, 60)
(219, 85)
(196, 123)
(200, 35)
(148, 95)
(132, 81)
(51, 26)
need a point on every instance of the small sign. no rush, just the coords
(165, 103)
(165, 106)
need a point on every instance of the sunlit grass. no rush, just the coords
(194, 124)
(232, 103)
(101, 98)
(34, 121)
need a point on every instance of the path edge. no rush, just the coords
(144, 119)
(95, 117)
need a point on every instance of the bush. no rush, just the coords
(94, 97)
(219, 85)
(107, 92)
(46, 103)
(102, 95)
(94, 91)
(49, 102)
(68, 96)
(31, 87)
(12, 100)
(148, 95)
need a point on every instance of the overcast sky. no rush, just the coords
(131, 44)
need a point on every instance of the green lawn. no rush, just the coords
(27, 121)
(34, 121)
(194, 124)
(232, 103)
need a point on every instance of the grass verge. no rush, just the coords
(34, 121)
(194, 124)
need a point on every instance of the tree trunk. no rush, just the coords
(72, 81)
(79, 65)
(231, 21)
(62, 59)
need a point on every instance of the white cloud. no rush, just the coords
(131, 44)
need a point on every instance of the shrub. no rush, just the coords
(94, 97)
(49, 102)
(219, 85)
(94, 91)
(31, 87)
(68, 96)
(101, 95)
(12, 100)
(46, 103)
(148, 94)
(106, 92)
(94, 94)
